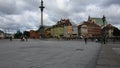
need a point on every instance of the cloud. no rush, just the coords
(108, 3)
(18, 6)
(27, 5)
(25, 14)
(27, 20)
(7, 7)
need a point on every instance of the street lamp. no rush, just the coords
(104, 29)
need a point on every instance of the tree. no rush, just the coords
(18, 34)
(26, 33)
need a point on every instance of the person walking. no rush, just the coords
(26, 38)
(10, 38)
(85, 40)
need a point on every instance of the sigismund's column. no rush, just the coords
(41, 8)
(41, 29)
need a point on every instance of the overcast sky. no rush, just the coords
(25, 14)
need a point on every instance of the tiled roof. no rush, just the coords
(90, 23)
(64, 22)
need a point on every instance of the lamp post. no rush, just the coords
(104, 29)
(41, 27)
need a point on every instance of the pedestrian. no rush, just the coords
(85, 40)
(10, 38)
(26, 38)
(96, 40)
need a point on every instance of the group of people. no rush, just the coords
(24, 38)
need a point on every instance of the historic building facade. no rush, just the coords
(110, 30)
(89, 29)
(47, 32)
(34, 34)
(98, 21)
(2, 35)
(92, 27)
(63, 28)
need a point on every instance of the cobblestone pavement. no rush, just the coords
(48, 54)
(109, 56)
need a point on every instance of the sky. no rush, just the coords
(26, 15)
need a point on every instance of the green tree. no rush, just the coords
(26, 33)
(18, 34)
